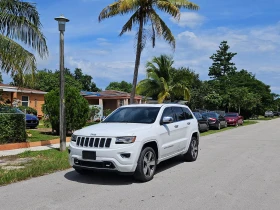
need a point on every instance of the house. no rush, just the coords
(110, 99)
(26, 97)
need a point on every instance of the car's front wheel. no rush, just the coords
(146, 165)
(192, 152)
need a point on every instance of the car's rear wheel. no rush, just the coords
(146, 165)
(192, 152)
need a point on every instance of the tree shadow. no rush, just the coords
(98, 177)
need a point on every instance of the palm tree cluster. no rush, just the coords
(144, 12)
(160, 81)
(20, 24)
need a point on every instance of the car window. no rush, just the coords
(168, 112)
(179, 113)
(197, 115)
(187, 113)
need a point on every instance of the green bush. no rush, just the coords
(76, 109)
(12, 127)
(29, 110)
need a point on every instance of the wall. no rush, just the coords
(32, 97)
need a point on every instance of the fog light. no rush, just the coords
(76, 161)
(125, 155)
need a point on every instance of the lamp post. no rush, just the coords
(62, 130)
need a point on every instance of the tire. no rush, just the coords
(219, 126)
(146, 165)
(81, 171)
(192, 152)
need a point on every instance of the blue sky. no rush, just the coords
(251, 27)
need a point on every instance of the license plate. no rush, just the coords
(91, 155)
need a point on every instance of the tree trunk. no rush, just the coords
(137, 60)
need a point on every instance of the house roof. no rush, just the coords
(110, 94)
(10, 88)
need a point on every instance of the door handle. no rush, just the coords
(176, 126)
(188, 123)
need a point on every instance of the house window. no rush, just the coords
(24, 101)
(121, 102)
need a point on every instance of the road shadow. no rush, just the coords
(113, 178)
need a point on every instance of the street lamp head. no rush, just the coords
(61, 22)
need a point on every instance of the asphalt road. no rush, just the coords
(236, 169)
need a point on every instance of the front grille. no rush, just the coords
(100, 165)
(93, 142)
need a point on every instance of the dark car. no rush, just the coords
(203, 124)
(275, 113)
(215, 120)
(234, 119)
(31, 120)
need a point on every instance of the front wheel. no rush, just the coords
(146, 165)
(192, 152)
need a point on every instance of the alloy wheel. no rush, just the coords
(194, 149)
(149, 163)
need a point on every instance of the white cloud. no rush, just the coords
(189, 19)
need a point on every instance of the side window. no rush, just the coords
(168, 113)
(187, 113)
(179, 113)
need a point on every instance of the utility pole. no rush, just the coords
(62, 126)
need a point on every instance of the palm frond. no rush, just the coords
(168, 7)
(161, 28)
(184, 4)
(162, 96)
(15, 59)
(21, 21)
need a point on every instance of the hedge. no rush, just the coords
(12, 128)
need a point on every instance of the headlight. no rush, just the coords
(125, 139)
(74, 138)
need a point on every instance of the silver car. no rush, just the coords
(268, 114)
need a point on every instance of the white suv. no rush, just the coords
(135, 138)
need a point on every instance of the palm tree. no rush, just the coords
(144, 12)
(159, 81)
(20, 24)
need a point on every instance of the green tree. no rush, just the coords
(76, 106)
(121, 86)
(20, 22)
(144, 13)
(222, 65)
(159, 81)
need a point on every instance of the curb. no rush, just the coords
(22, 145)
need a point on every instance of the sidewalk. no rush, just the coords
(18, 151)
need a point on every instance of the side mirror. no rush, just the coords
(167, 120)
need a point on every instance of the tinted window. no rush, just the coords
(187, 113)
(168, 113)
(134, 115)
(197, 115)
(179, 113)
(231, 115)
(209, 114)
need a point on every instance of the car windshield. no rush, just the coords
(133, 115)
(231, 115)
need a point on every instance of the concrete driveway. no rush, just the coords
(236, 169)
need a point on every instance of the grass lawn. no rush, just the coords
(40, 136)
(39, 163)
(246, 122)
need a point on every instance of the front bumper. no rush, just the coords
(113, 159)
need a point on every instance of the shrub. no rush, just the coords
(12, 128)
(29, 110)
(76, 109)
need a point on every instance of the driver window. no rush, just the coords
(168, 113)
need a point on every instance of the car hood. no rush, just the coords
(30, 117)
(113, 129)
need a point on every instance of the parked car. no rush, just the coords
(31, 120)
(275, 113)
(215, 120)
(234, 119)
(268, 114)
(203, 124)
(135, 139)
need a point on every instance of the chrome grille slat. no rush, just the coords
(92, 142)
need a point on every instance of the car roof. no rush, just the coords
(154, 105)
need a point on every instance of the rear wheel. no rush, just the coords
(146, 165)
(192, 152)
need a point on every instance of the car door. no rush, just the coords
(181, 127)
(168, 134)
(190, 123)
